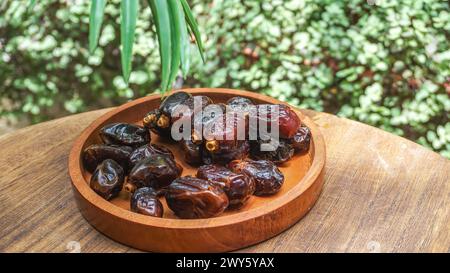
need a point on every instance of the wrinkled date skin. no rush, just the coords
(169, 104)
(190, 198)
(226, 153)
(282, 153)
(159, 120)
(188, 110)
(288, 121)
(219, 140)
(125, 134)
(192, 152)
(145, 201)
(148, 151)
(209, 114)
(224, 142)
(240, 104)
(230, 124)
(157, 172)
(267, 176)
(301, 140)
(108, 179)
(190, 103)
(206, 119)
(150, 122)
(97, 153)
(238, 187)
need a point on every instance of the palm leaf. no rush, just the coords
(184, 40)
(95, 22)
(176, 41)
(160, 11)
(193, 25)
(129, 13)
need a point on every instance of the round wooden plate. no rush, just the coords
(259, 220)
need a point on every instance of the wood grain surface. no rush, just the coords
(382, 193)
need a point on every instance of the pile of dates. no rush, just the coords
(229, 143)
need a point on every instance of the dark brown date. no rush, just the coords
(206, 119)
(279, 152)
(125, 134)
(192, 152)
(171, 102)
(209, 114)
(145, 201)
(195, 104)
(225, 151)
(190, 197)
(107, 180)
(171, 109)
(97, 153)
(160, 120)
(148, 151)
(157, 172)
(288, 121)
(150, 122)
(240, 104)
(238, 187)
(301, 140)
(225, 139)
(267, 176)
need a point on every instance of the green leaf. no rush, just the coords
(194, 27)
(184, 40)
(160, 11)
(176, 40)
(31, 5)
(129, 13)
(95, 22)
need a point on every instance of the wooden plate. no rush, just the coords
(260, 219)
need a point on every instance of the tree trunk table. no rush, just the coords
(382, 193)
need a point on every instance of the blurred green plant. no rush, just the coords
(385, 63)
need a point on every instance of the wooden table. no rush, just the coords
(382, 193)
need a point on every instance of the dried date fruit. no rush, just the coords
(195, 104)
(206, 118)
(97, 153)
(157, 172)
(192, 152)
(145, 201)
(240, 104)
(185, 114)
(277, 151)
(301, 140)
(238, 187)
(160, 120)
(209, 114)
(107, 180)
(288, 121)
(125, 134)
(169, 103)
(225, 139)
(267, 176)
(225, 151)
(150, 122)
(148, 151)
(190, 198)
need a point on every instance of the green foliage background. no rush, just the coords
(385, 63)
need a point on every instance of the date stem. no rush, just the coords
(163, 121)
